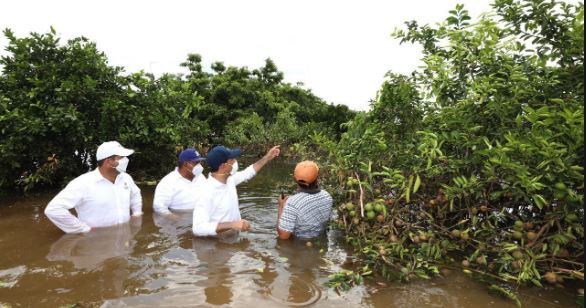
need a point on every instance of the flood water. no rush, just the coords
(153, 262)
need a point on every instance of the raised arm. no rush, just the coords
(272, 153)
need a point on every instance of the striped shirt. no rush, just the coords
(306, 214)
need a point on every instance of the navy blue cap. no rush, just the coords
(190, 155)
(219, 155)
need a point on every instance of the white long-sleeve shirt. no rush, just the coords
(97, 201)
(218, 203)
(177, 193)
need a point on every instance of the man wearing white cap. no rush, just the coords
(102, 197)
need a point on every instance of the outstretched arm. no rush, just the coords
(272, 153)
(250, 171)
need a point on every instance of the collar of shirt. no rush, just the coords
(217, 184)
(179, 176)
(97, 176)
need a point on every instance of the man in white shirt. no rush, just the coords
(178, 190)
(217, 209)
(102, 197)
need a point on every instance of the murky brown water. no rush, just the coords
(152, 262)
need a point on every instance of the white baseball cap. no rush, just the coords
(110, 148)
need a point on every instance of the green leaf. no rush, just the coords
(408, 189)
(417, 184)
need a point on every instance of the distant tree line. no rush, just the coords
(59, 101)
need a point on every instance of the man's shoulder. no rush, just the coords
(90, 176)
(168, 179)
(326, 194)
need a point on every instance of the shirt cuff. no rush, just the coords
(205, 229)
(86, 229)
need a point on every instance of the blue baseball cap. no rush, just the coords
(219, 155)
(190, 155)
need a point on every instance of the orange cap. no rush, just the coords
(306, 172)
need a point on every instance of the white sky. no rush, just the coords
(338, 49)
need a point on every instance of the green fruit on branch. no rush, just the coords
(379, 208)
(517, 254)
(464, 236)
(518, 224)
(368, 207)
(517, 235)
(370, 214)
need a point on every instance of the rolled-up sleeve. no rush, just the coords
(244, 175)
(58, 209)
(202, 225)
(288, 218)
(162, 198)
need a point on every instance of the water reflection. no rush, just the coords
(90, 251)
(215, 254)
(103, 253)
(174, 225)
(296, 282)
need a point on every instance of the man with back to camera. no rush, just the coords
(217, 210)
(179, 190)
(305, 214)
(102, 197)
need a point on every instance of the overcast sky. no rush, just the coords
(338, 49)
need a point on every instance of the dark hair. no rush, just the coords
(101, 162)
(313, 185)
